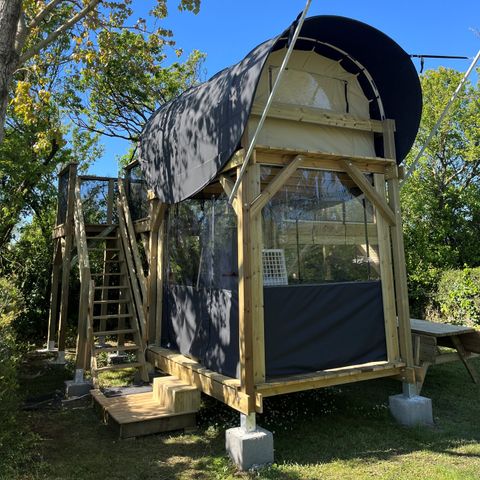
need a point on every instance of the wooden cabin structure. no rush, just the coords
(300, 283)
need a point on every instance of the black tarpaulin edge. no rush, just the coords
(188, 141)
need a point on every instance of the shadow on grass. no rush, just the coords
(348, 424)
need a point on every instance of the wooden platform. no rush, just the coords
(427, 339)
(139, 414)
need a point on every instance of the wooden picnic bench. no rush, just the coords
(428, 337)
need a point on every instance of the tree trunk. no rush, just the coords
(10, 11)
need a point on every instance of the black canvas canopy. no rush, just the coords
(189, 139)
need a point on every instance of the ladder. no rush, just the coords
(115, 336)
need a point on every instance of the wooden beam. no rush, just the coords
(132, 239)
(67, 255)
(318, 116)
(386, 276)
(132, 274)
(227, 185)
(327, 378)
(378, 201)
(55, 283)
(235, 161)
(274, 186)
(320, 160)
(398, 251)
(245, 287)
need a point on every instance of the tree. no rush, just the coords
(29, 27)
(441, 200)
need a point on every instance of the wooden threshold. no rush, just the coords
(328, 378)
(320, 160)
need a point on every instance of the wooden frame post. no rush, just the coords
(67, 254)
(386, 276)
(155, 277)
(398, 249)
(250, 287)
(55, 284)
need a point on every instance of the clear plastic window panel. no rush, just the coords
(94, 195)
(324, 226)
(202, 243)
(136, 191)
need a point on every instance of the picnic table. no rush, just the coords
(429, 337)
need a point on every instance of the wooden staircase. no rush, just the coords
(171, 405)
(115, 336)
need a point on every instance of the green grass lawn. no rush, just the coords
(334, 433)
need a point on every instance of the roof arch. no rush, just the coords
(188, 140)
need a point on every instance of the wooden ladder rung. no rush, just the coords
(103, 302)
(109, 317)
(114, 332)
(119, 348)
(102, 238)
(111, 287)
(119, 366)
(103, 249)
(106, 274)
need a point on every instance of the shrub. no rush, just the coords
(11, 443)
(458, 297)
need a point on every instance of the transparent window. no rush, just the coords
(202, 243)
(324, 226)
(136, 191)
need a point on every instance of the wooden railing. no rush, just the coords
(136, 274)
(85, 281)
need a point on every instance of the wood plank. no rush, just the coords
(398, 250)
(320, 160)
(386, 276)
(463, 357)
(319, 116)
(377, 200)
(245, 287)
(424, 327)
(54, 289)
(358, 373)
(471, 341)
(262, 198)
(66, 255)
(123, 203)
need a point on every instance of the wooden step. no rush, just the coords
(106, 333)
(112, 316)
(118, 366)
(103, 249)
(118, 348)
(102, 238)
(176, 395)
(137, 414)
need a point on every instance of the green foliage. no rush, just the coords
(441, 200)
(11, 443)
(458, 297)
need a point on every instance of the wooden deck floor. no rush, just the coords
(138, 414)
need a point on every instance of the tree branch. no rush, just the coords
(43, 13)
(55, 34)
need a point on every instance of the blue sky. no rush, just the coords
(226, 30)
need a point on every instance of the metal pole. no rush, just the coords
(442, 116)
(269, 102)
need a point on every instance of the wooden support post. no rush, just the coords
(386, 276)
(67, 254)
(250, 296)
(398, 250)
(155, 277)
(55, 283)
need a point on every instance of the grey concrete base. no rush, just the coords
(77, 389)
(411, 411)
(249, 449)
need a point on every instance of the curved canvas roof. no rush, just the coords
(189, 139)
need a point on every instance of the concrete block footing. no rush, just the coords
(411, 411)
(77, 389)
(249, 449)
